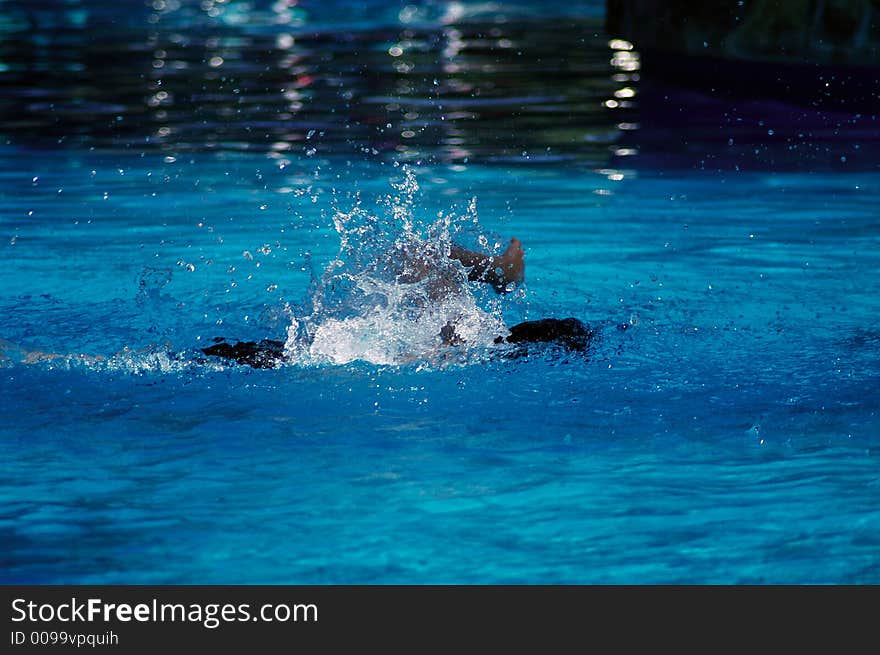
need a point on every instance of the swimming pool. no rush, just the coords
(723, 427)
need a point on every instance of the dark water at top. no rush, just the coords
(445, 80)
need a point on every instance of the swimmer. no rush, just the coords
(569, 333)
(503, 273)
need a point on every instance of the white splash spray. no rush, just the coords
(393, 294)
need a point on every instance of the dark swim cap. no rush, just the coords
(568, 332)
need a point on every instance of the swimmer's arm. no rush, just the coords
(482, 268)
(501, 271)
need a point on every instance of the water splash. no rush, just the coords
(393, 294)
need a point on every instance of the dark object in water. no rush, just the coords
(259, 354)
(569, 333)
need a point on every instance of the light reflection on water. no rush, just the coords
(442, 80)
(436, 81)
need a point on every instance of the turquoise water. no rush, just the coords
(723, 428)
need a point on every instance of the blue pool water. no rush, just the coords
(723, 428)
